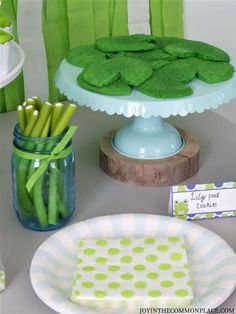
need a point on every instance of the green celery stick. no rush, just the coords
(41, 129)
(46, 128)
(31, 102)
(21, 118)
(26, 208)
(32, 121)
(56, 115)
(38, 102)
(28, 111)
(40, 208)
(24, 104)
(53, 213)
(60, 128)
(25, 203)
(65, 118)
(43, 116)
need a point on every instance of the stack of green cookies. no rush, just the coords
(159, 67)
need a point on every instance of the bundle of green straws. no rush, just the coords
(43, 120)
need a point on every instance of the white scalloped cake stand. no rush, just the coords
(17, 65)
(147, 137)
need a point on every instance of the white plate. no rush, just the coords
(212, 261)
(17, 65)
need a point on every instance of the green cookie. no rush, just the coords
(155, 54)
(157, 64)
(182, 70)
(208, 52)
(5, 37)
(214, 72)
(170, 80)
(103, 73)
(161, 86)
(132, 71)
(85, 55)
(189, 48)
(126, 43)
(162, 42)
(180, 49)
(117, 88)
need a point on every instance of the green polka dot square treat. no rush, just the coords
(132, 273)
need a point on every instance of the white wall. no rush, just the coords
(213, 21)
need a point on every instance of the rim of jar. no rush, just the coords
(36, 140)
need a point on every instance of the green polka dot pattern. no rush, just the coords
(114, 268)
(163, 248)
(100, 276)
(127, 276)
(151, 258)
(165, 266)
(139, 267)
(113, 251)
(132, 270)
(101, 242)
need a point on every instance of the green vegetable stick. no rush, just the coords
(28, 111)
(32, 122)
(25, 203)
(21, 118)
(56, 115)
(24, 104)
(63, 122)
(38, 102)
(41, 129)
(43, 116)
(40, 208)
(53, 213)
(31, 102)
(46, 128)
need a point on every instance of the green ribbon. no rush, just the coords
(58, 152)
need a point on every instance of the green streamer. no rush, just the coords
(172, 17)
(56, 38)
(72, 23)
(166, 17)
(13, 94)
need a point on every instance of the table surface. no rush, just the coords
(98, 194)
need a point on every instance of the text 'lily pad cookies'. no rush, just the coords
(126, 43)
(160, 67)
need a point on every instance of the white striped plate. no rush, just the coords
(212, 261)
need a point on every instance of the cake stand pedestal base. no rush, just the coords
(155, 172)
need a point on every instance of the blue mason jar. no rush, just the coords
(50, 200)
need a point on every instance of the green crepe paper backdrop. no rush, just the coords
(71, 23)
(13, 94)
(166, 17)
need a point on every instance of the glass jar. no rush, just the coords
(50, 201)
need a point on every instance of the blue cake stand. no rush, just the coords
(147, 136)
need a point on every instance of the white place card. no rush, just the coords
(202, 201)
